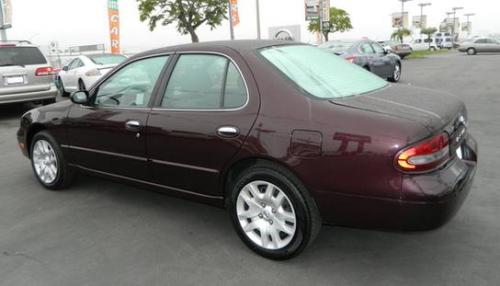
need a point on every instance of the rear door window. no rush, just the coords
(21, 56)
(367, 49)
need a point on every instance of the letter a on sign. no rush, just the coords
(114, 26)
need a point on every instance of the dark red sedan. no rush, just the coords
(286, 136)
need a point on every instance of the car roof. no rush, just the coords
(238, 45)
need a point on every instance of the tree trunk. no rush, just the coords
(326, 36)
(194, 37)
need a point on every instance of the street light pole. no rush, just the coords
(422, 5)
(258, 18)
(403, 13)
(231, 28)
(3, 32)
(468, 23)
(455, 9)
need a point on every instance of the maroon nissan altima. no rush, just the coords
(286, 136)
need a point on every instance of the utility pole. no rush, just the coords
(455, 9)
(231, 28)
(403, 13)
(257, 7)
(3, 32)
(422, 5)
(320, 10)
(468, 23)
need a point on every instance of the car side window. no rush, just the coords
(132, 85)
(366, 48)
(73, 64)
(204, 82)
(480, 41)
(378, 49)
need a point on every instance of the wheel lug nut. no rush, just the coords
(263, 205)
(274, 211)
(270, 222)
(261, 216)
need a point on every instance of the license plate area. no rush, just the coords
(14, 80)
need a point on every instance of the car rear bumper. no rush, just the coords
(427, 201)
(50, 93)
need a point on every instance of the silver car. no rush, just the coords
(25, 74)
(480, 45)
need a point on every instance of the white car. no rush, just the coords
(83, 71)
(424, 44)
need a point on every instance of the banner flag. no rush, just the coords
(114, 26)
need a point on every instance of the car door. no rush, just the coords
(493, 46)
(207, 109)
(71, 81)
(481, 45)
(386, 61)
(374, 61)
(108, 135)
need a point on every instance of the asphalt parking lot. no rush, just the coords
(103, 233)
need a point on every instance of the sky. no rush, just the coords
(82, 22)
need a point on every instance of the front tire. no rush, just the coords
(48, 163)
(396, 74)
(471, 51)
(272, 212)
(62, 91)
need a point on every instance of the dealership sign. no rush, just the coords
(313, 8)
(114, 26)
(420, 21)
(400, 20)
(235, 16)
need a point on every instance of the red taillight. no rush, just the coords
(45, 71)
(351, 59)
(426, 155)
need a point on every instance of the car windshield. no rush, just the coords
(107, 59)
(337, 46)
(321, 73)
(21, 56)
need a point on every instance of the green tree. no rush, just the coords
(339, 22)
(428, 32)
(187, 14)
(399, 34)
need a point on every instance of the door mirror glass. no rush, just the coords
(65, 68)
(80, 97)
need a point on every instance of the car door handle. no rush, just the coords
(228, 131)
(133, 125)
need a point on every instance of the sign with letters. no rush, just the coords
(114, 26)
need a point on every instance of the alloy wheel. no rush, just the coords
(266, 215)
(397, 72)
(45, 161)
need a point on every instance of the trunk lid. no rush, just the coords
(432, 109)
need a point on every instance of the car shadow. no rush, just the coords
(13, 111)
(333, 245)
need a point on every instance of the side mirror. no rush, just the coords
(387, 50)
(65, 68)
(80, 97)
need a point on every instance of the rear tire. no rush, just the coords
(272, 212)
(471, 51)
(81, 85)
(49, 165)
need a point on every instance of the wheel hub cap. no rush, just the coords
(45, 161)
(266, 215)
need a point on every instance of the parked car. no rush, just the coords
(83, 71)
(402, 50)
(26, 74)
(446, 43)
(286, 136)
(480, 45)
(369, 55)
(424, 44)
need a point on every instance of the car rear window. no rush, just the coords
(337, 47)
(321, 73)
(107, 59)
(22, 56)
